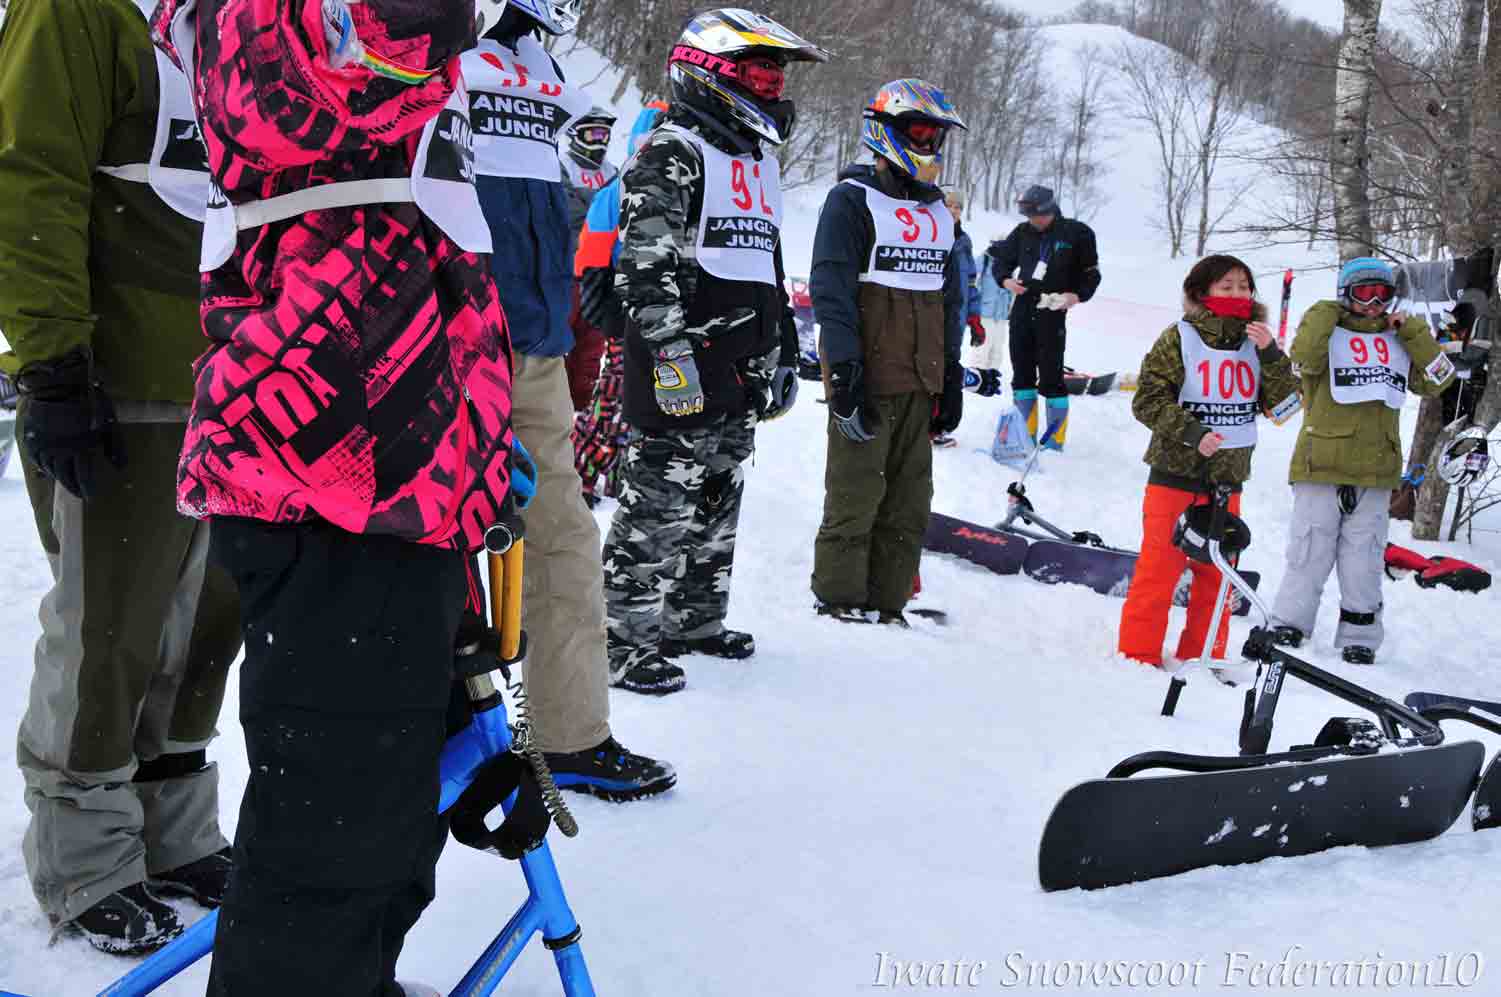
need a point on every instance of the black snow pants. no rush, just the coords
(1037, 341)
(345, 698)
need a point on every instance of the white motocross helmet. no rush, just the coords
(487, 15)
(556, 17)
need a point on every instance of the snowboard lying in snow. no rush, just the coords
(1107, 570)
(1247, 815)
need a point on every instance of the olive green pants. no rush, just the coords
(138, 635)
(877, 496)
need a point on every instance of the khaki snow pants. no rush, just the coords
(138, 635)
(877, 497)
(567, 679)
(1322, 538)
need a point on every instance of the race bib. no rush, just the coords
(519, 107)
(1221, 388)
(1367, 367)
(912, 242)
(741, 221)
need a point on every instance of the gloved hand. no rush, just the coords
(675, 380)
(950, 408)
(976, 331)
(524, 827)
(847, 381)
(69, 424)
(523, 474)
(985, 383)
(783, 393)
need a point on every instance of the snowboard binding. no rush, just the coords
(488, 735)
(1389, 779)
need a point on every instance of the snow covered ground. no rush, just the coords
(855, 792)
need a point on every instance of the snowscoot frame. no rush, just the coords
(489, 735)
(1019, 507)
(1348, 787)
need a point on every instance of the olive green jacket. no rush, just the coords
(1173, 453)
(88, 260)
(1357, 444)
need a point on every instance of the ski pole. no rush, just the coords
(1287, 297)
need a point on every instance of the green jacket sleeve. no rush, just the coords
(1430, 371)
(57, 82)
(1155, 404)
(1310, 349)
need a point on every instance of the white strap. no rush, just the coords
(134, 172)
(344, 194)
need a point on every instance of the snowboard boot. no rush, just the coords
(132, 921)
(646, 672)
(895, 619)
(734, 644)
(942, 441)
(1357, 654)
(844, 614)
(1286, 636)
(610, 772)
(1057, 429)
(1025, 400)
(203, 881)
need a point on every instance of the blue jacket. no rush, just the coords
(964, 250)
(531, 263)
(995, 300)
(841, 252)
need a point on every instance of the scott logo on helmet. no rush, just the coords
(698, 57)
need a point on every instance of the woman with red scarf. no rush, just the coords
(1203, 384)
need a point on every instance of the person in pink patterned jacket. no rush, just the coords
(350, 439)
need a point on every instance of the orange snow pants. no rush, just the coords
(1144, 617)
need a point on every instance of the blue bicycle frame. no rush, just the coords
(544, 911)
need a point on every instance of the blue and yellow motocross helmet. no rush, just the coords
(906, 124)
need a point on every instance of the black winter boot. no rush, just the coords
(1287, 636)
(610, 772)
(203, 881)
(132, 921)
(648, 673)
(733, 644)
(1356, 654)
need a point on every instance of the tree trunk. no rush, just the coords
(1457, 210)
(1352, 111)
(1207, 143)
(1487, 187)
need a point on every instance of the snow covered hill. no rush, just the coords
(857, 793)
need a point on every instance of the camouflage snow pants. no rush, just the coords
(668, 555)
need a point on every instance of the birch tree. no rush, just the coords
(1348, 162)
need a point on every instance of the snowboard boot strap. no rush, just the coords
(1026, 404)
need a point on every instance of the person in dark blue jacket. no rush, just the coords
(889, 299)
(1050, 263)
(520, 107)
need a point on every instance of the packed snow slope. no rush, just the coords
(853, 791)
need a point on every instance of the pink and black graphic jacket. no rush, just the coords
(359, 370)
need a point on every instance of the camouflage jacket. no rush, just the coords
(739, 330)
(1173, 453)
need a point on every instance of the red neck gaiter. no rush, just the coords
(1229, 307)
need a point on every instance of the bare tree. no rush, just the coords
(1429, 438)
(1352, 110)
(1162, 97)
(1074, 165)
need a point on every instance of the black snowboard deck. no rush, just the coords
(1109, 832)
(1106, 570)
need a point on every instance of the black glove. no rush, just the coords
(985, 383)
(783, 389)
(524, 827)
(69, 423)
(950, 408)
(851, 417)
